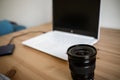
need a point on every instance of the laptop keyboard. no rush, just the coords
(56, 44)
(70, 39)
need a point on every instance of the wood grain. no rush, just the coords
(35, 65)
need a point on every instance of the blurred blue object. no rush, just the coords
(18, 27)
(7, 27)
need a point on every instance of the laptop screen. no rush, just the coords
(77, 16)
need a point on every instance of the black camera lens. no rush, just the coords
(82, 60)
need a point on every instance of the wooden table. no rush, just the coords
(35, 65)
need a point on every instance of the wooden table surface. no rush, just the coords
(31, 64)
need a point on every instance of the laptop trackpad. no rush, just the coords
(56, 43)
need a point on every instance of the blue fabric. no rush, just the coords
(18, 27)
(5, 27)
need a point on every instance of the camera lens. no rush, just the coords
(82, 60)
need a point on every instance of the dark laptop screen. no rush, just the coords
(77, 16)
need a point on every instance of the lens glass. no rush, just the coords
(82, 61)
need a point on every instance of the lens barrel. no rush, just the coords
(82, 60)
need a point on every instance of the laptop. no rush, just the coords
(74, 22)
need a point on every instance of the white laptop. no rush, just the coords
(74, 22)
